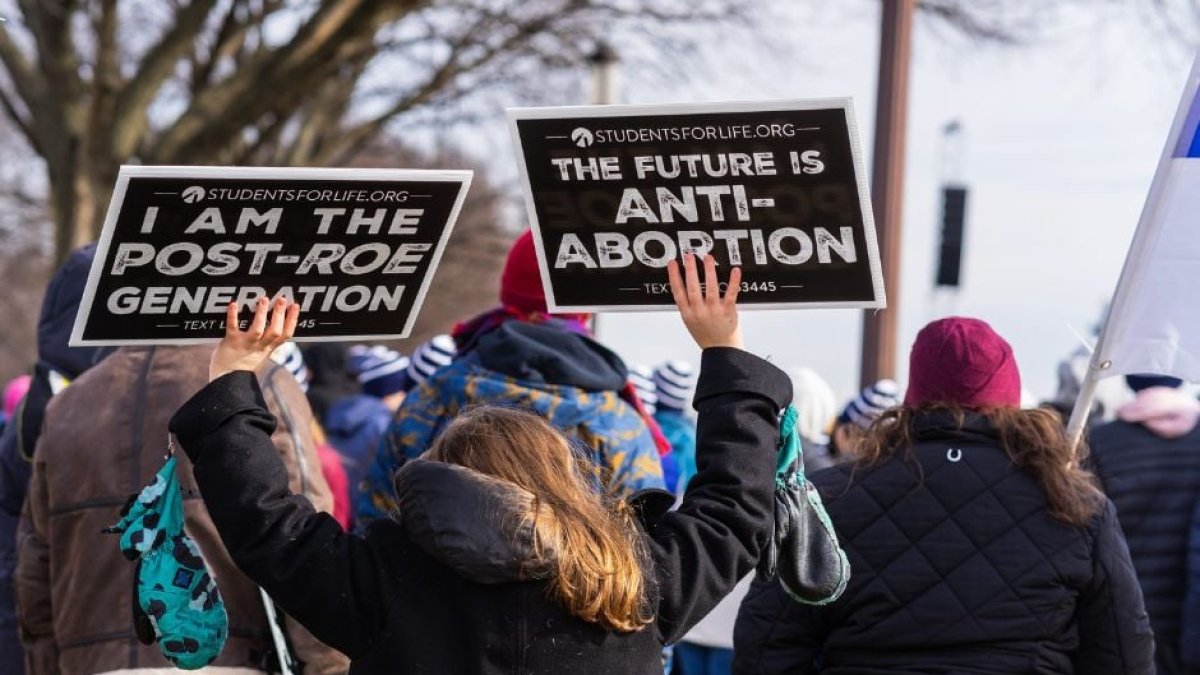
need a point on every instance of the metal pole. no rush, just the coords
(1083, 403)
(887, 184)
(603, 63)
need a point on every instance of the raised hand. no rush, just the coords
(711, 319)
(249, 349)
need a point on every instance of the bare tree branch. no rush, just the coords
(158, 64)
(335, 33)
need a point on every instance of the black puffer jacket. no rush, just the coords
(442, 590)
(956, 568)
(1155, 484)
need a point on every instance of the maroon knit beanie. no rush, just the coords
(521, 283)
(962, 361)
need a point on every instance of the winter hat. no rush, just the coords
(381, 371)
(674, 382)
(521, 283)
(962, 361)
(13, 393)
(1145, 381)
(864, 409)
(60, 304)
(288, 355)
(815, 403)
(429, 357)
(642, 378)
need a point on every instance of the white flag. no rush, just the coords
(1153, 323)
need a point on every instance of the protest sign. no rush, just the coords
(614, 192)
(356, 248)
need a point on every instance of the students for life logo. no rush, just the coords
(582, 137)
(193, 194)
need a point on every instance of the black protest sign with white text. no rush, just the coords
(355, 248)
(617, 191)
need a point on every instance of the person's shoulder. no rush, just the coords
(1103, 520)
(1105, 434)
(832, 481)
(110, 378)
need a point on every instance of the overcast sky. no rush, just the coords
(1061, 141)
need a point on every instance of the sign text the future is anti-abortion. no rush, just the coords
(776, 188)
(356, 248)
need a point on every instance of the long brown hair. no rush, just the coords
(591, 537)
(1033, 439)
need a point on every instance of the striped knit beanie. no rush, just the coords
(674, 381)
(381, 371)
(642, 378)
(288, 355)
(429, 357)
(870, 403)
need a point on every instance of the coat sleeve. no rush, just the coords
(331, 582)
(417, 422)
(32, 587)
(701, 550)
(774, 635)
(1114, 629)
(293, 439)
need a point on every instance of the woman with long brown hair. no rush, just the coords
(976, 542)
(504, 556)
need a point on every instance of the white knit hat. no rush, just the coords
(288, 355)
(816, 404)
(429, 357)
(871, 402)
(642, 378)
(674, 381)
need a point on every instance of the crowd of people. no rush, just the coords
(514, 497)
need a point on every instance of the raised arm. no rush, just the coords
(715, 538)
(329, 581)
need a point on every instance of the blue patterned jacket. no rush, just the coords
(567, 378)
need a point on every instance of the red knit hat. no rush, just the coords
(521, 283)
(962, 361)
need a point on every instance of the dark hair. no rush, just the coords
(1033, 439)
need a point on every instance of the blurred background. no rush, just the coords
(1047, 115)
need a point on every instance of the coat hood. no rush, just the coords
(59, 307)
(473, 523)
(546, 354)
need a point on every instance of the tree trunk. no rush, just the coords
(80, 200)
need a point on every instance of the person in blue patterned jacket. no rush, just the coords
(519, 355)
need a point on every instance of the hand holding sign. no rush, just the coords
(249, 349)
(711, 319)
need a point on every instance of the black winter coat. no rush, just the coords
(442, 590)
(956, 567)
(1154, 483)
